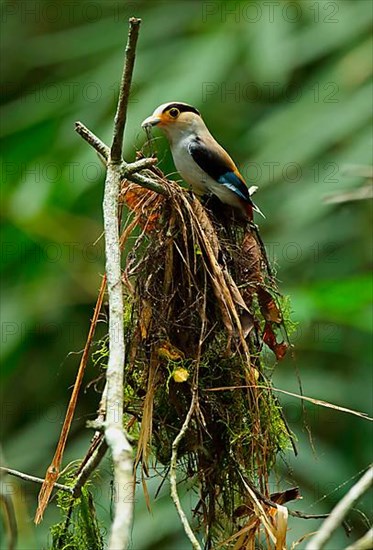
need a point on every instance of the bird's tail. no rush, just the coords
(253, 189)
(257, 209)
(250, 207)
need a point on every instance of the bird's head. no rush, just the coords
(175, 119)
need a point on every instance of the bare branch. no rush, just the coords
(140, 165)
(173, 482)
(117, 170)
(129, 171)
(338, 513)
(148, 183)
(272, 504)
(114, 431)
(91, 464)
(124, 93)
(34, 479)
(93, 140)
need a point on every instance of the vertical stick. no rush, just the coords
(124, 92)
(114, 432)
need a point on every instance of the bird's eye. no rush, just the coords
(174, 113)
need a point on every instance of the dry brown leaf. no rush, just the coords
(236, 295)
(143, 202)
(146, 492)
(253, 255)
(169, 257)
(169, 352)
(147, 416)
(145, 318)
(281, 527)
(268, 306)
(247, 323)
(269, 337)
(286, 496)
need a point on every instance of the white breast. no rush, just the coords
(188, 169)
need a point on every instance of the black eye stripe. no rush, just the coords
(182, 108)
(174, 112)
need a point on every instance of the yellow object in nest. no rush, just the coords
(180, 375)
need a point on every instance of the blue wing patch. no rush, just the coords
(233, 182)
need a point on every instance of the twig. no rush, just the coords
(260, 512)
(114, 431)
(302, 515)
(54, 468)
(34, 479)
(318, 402)
(93, 457)
(173, 464)
(104, 150)
(138, 165)
(129, 171)
(117, 170)
(338, 513)
(148, 183)
(90, 462)
(272, 504)
(124, 92)
(93, 140)
(90, 465)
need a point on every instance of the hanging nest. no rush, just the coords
(201, 303)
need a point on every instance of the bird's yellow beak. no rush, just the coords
(150, 121)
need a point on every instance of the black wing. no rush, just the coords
(219, 166)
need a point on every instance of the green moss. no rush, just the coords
(101, 355)
(80, 529)
(127, 312)
(287, 311)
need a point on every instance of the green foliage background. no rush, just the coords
(286, 87)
